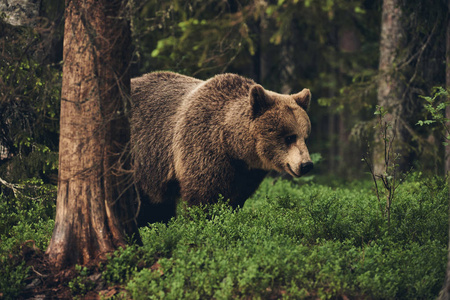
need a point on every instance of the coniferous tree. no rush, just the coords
(94, 212)
(390, 87)
(445, 292)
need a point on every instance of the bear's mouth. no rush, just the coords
(290, 171)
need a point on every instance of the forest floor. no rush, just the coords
(44, 280)
(47, 282)
(291, 239)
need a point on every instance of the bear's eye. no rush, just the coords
(290, 139)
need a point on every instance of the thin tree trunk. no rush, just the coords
(94, 211)
(447, 82)
(445, 292)
(287, 71)
(389, 86)
(332, 133)
(342, 145)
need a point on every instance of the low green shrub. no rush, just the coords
(14, 273)
(122, 264)
(28, 215)
(81, 284)
(308, 241)
(289, 241)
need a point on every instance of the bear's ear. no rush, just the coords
(303, 98)
(259, 100)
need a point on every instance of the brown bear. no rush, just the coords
(201, 139)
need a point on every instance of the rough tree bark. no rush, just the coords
(389, 86)
(94, 211)
(445, 292)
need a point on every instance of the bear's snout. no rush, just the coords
(306, 167)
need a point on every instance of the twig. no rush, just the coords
(375, 182)
(42, 275)
(17, 187)
(13, 187)
(420, 53)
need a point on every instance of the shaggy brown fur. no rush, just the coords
(199, 139)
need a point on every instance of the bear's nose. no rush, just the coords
(306, 167)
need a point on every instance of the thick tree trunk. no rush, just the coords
(389, 87)
(445, 292)
(94, 211)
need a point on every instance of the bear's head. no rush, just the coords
(280, 126)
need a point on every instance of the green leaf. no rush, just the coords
(155, 53)
(359, 10)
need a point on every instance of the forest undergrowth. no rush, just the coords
(291, 240)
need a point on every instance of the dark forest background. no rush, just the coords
(331, 47)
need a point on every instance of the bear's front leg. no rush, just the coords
(233, 180)
(205, 185)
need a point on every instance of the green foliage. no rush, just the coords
(207, 37)
(192, 36)
(419, 210)
(122, 264)
(324, 213)
(29, 106)
(301, 242)
(288, 241)
(81, 284)
(14, 273)
(386, 183)
(393, 271)
(435, 106)
(28, 215)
